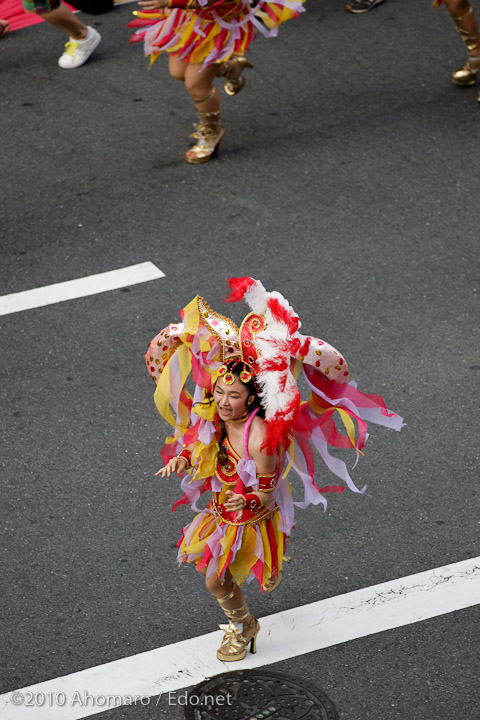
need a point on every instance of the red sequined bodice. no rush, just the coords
(228, 476)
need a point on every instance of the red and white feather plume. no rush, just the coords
(278, 388)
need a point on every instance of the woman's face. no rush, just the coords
(230, 400)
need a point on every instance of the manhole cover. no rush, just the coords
(247, 695)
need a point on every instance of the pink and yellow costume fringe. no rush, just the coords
(213, 32)
(251, 546)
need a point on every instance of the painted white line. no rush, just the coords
(81, 287)
(283, 635)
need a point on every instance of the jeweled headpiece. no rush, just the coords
(225, 371)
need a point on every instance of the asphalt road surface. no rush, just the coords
(348, 180)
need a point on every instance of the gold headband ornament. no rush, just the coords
(225, 372)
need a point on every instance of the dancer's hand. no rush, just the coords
(4, 27)
(154, 4)
(234, 502)
(176, 464)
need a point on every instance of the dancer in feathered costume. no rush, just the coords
(466, 23)
(242, 431)
(206, 39)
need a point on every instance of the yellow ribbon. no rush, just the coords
(344, 416)
(291, 450)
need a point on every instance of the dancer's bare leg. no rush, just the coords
(236, 602)
(177, 68)
(200, 87)
(63, 19)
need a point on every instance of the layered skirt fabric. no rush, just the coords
(250, 552)
(214, 33)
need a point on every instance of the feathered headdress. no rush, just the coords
(271, 347)
(268, 342)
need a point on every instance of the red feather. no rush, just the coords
(239, 287)
(274, 364)
(283, 315)
(276, 437)
(278, 430)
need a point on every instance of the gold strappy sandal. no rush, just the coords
(209, 134)
(467, 74)
(233, 641)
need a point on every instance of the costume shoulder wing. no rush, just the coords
(322, 356)
(161, 349)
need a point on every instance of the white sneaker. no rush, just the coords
(77, 52)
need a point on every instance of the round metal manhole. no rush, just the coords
(251, 695)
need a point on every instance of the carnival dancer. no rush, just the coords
(241, 432)
(206, 39)
(466, 24)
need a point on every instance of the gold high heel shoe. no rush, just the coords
(467, 75)
(232, 70)
(208, 133)
(466, 26)
(234, 643)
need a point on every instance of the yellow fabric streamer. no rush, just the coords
(180, 364)
(344, 416)
(206, 455)
(163, 389)
(144, 15)
(182, 356)
(205, 411)
(291, 450)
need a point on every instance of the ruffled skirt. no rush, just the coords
(212, 34)
(249, 552)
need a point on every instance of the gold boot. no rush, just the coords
(209, 134)
(232, 70)
(234, 643)
(467, 27)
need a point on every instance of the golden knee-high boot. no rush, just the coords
(234, 644)
(208, 134)
(467, 27)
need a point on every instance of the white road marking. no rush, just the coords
(283, 635)
(81, 287)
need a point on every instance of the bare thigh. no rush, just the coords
(177, 68)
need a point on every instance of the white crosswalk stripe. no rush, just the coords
(284, 635)
(80, 287)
